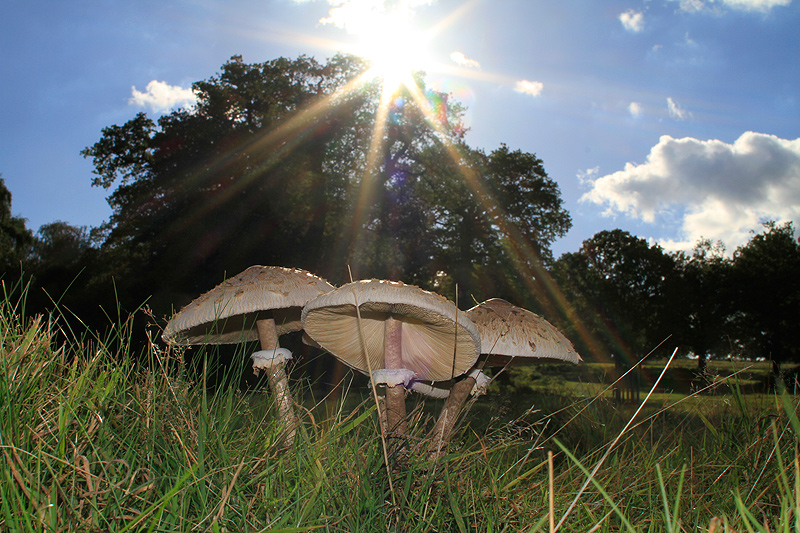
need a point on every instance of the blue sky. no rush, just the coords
(672, 119)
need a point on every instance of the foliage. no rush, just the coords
(60, 255)
(298, 163)
(226, 185)
(629, 295)
(766, 285)
(622, 287)
(705, 302)
(495, 228)
(15, 238)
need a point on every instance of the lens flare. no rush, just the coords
(385, 33)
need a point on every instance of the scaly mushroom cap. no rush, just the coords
(509, 332)
(438, 341)
(227, 313)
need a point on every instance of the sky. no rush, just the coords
(674, 120)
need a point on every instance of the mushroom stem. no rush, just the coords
(443, 429)
(278, 382)
(395, 395)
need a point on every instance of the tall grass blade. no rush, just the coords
(592, 479)
(384, 430)
(665, 500)
(611, 446)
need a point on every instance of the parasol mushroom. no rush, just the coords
(395, 332)
(509, 335)
(261, 303)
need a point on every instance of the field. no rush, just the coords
(97, 438)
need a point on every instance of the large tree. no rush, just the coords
(704, 301)
(765, 277)
(622, 287)
(15, 238)
(501, 213)
(297, 163)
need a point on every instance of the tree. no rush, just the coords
(15, 238)
(704, 301)
(297, 163)
(60, 254)
(67, 274)
(621, 287)
(764, 274)
(236, 181)
(494, 230)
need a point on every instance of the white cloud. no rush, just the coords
(348, 15)
(161, 96)
(462, 60)
(353, 15)
(533, 88)
(718, 190)
(676, 111)
(692, 6)
(588, 176)
(632, 20)
(755, 5)
(635, 109)
(763, 6)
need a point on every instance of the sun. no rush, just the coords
(396, 50)
(387, 37)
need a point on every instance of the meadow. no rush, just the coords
(97, 436)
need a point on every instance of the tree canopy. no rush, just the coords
(623, 288)
(766, 288)
(298, 163)
(15, 238)
(630, 295)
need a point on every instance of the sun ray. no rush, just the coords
(275, 143)
(367, 185)
(520, 250)
(396, 51)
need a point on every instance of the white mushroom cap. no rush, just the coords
(438, 341)
(228, 313)
(509, 332)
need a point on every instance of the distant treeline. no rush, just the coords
(296, 163)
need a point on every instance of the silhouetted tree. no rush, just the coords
(765, 277)
(704, 302)
(499, 214)
(61, 262)
(297, 163)
(15, 238)
(622, 287)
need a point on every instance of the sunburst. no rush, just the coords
(388, 38)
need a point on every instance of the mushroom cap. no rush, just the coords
(228, 313)
(438, 340)
(510, 333)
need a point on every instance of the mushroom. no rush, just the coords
(509, 335)
(397, 334)
(261, 303)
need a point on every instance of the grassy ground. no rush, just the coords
(95, 438)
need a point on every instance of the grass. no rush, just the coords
(94, 437)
